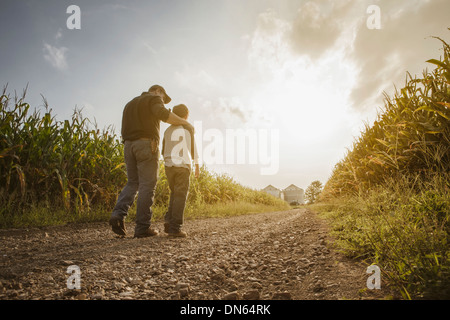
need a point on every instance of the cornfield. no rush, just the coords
(74, 167)
(388, 200)
(62, 164)
(411, 136)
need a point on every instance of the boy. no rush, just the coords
(178, 143)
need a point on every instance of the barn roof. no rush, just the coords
(293, 186)
(270, 187)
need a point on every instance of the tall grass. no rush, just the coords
(66, 171)
(388, 199)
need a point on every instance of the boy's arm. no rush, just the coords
(194, 154)
(197, 171)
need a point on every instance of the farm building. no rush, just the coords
(274, 191)
(291, 194)
(294, 194)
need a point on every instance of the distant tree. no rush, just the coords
(313, 191)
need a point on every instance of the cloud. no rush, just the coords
(384, 56)
(199, 82)
(234, 108)
(229, 111)
(208, 89)
(117, 6)
(269, 42)
(58, 34)
(56, 56)
(322, 28)
(318, 25)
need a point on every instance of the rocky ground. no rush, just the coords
(279, 255)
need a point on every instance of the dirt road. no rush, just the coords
(279, 255)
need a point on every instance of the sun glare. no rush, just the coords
(310, 103)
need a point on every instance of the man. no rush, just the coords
(140, 132)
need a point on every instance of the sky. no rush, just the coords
(297, 79)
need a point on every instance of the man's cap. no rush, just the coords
(167, 99)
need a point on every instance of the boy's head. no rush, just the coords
(181, 110)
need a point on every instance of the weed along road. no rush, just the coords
(269, 256)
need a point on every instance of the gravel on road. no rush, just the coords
(284, 255)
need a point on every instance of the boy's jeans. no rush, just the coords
(178, 179)
(142, 173)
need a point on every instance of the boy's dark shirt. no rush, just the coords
(141, 117)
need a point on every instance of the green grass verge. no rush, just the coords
(404, 228)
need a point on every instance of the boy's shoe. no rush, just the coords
(166, 227)
(179, 234)
(150, 232)
(118, 227)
